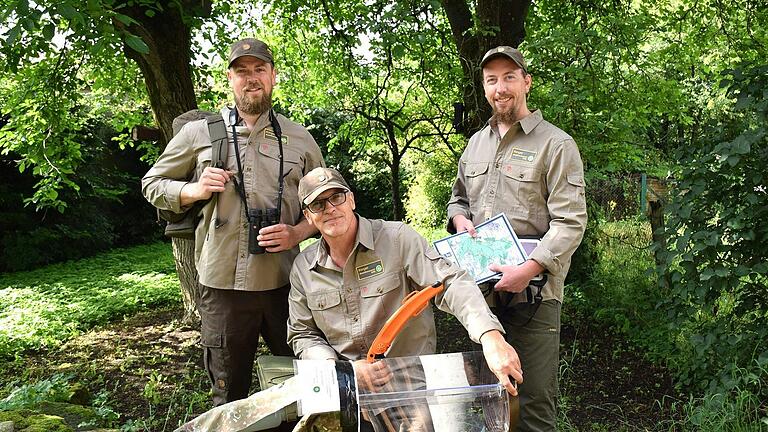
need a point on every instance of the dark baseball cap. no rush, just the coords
(250, 47)
(506, 51)
(318, 181)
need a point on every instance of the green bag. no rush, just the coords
(273, 370)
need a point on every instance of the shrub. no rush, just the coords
(717, 260)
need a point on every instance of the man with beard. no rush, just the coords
(523, 166)
(244, 292)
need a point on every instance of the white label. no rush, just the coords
(318, 387)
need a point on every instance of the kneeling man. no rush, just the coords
(345, 286)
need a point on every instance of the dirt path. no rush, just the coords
(151, 368)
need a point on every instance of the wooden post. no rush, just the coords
(658, 235)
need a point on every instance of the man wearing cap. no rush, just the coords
(345, 286)
(523, 166)
(244, 294)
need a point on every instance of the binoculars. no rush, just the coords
(258, 219)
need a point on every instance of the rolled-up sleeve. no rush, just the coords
(567, 208)
(461, 297)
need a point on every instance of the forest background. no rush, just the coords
(676, 90)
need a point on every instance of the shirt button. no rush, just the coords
(378, 290)
(354, 318)
(491, 192)
(321, 305)
(242, 255)
(521, 175)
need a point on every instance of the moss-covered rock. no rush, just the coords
(72, 414)
(31, 421)
(51, 417)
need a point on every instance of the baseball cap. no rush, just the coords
(318, 181)
(250, 47)
(506, 51)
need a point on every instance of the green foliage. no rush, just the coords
(387, 67)
(737, 411)
(106, 211)
(620, 292)
(717, 259)
(430, 192)
(43, 308)
(54, 389)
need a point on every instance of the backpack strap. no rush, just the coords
(217, 131)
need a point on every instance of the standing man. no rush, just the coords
(523, 166)
(345, 286)
(245, 285)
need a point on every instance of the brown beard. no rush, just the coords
(254, 105)
(505, 117)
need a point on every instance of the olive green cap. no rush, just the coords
(318, 181)
(250, 47)
(506, 51)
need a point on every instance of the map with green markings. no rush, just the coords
(495, 243)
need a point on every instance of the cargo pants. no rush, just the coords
(231, 324)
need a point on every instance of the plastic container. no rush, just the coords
(442, 392)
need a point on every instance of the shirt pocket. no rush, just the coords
(327, 312)
(576, 191)
(476, 175)
(380, 298)
(268, 167)
(524, 189)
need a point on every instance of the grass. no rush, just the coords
(43, 308)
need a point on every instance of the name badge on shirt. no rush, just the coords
(369, 270)
(523, 155)
(270, 135)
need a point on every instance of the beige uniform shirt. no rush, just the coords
(337, 313)
(221, 240)
(535, 176)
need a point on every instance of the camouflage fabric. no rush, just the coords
(242, 415)
(326, 422)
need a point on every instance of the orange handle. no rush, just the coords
(413, 304)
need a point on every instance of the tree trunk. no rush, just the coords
(508, 17)
(184, 253)
(397, 202)
(168, 77)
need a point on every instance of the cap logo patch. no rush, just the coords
(246, 47)
(321, 178)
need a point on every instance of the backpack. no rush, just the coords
(183, 225)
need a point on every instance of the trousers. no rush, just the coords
(232, 322)
(537, 342)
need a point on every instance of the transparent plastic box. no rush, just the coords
(443, 392)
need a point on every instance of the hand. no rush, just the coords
(516, 278)
(461, 223)
(372, 376)
(278, 237)
(502, 359)
(210, 181)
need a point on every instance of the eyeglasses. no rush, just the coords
(337, 199)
